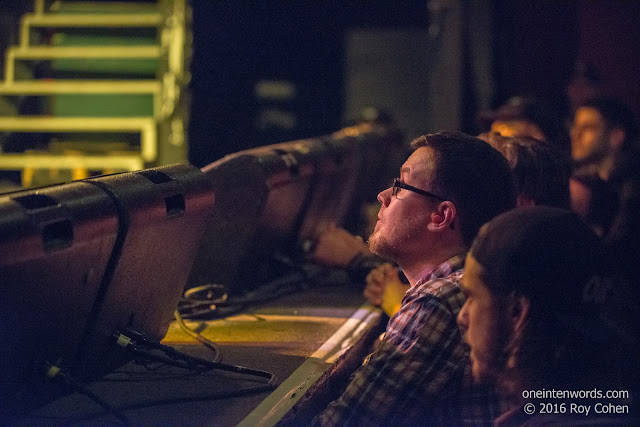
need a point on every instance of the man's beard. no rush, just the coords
(377, 245)
(380, 245)
(506, 363)
(496, 364)
(593, 158)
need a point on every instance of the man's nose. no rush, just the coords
(462, 318)
(574, 132)
(384, 197)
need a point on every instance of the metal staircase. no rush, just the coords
(104, 77)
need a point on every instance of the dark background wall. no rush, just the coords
(537, 44)
(535, 47)
(299, 45)
(609, 38)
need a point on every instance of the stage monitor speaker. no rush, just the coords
(240, 183)
(290, 186)
(382, 154)
(56, 244)
(163, 212)
(272, 201)
(334, 182)
(261, 196)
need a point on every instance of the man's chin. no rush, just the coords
(482, 376)
(378, 246)
(587, 159)
(483, 372)
(374, 243)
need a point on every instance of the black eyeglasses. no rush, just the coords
(397, 185)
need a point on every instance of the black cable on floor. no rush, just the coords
(203, 309)
(199, 337)
(56, 375)
(135, 343)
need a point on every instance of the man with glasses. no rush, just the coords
(450, 185)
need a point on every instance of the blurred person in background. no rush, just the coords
(528, 116)
(604, 138)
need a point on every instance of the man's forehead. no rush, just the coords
(588, 114)
(419, 164)
(472, 277)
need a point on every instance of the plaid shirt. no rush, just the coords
(421, 373)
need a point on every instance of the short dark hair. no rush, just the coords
(540, 172)
(616, 115)
(473, 175)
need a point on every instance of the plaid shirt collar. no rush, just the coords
(443, 270)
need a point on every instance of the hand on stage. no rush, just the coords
(384, 288)
(336, 247)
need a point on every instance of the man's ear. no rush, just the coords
(443, 216)
(616, 138)
(518, 308)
